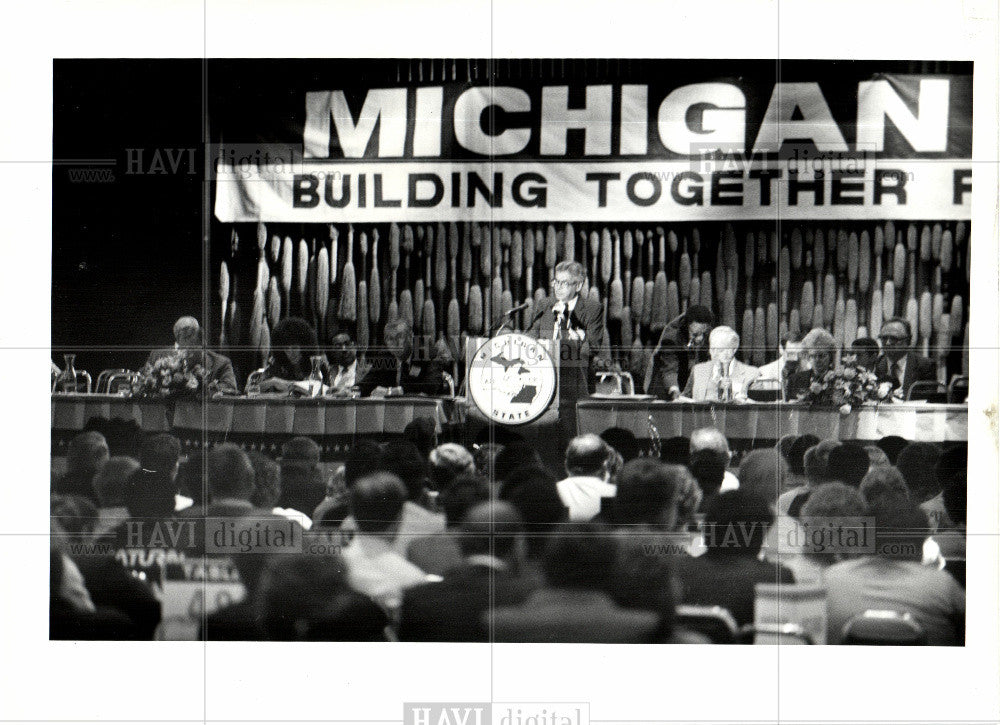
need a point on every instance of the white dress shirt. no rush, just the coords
(556, 327)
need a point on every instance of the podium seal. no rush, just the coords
(512, 379)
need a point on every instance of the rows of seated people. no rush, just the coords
(434, 542)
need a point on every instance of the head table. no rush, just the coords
(749, 425)
(262, 420)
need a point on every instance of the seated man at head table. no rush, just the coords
(898, 363)
(343, 364)
(703, 384)
(396, 369)
(787, 364)
(682, 344)
(188, 338)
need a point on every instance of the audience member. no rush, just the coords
(191, 478)
(894, 579)
(952, 475)
(374, 566)
(892, 445)
(848, 463)
(797, 452)
(816, 468)
(876, 457)
(918, 463)
(623, 441)
(72, 613)
(763, 472)
(459, 608)
(302, 486)
(447, 462)
(267, 489)
(580, 566)
(676, 451)
(736, 524)
(532, 491)
(111, 486)
(513, 455)
(882, 486)
(587, 462)
(307, 598)
(784, 445)
(712, 439)
(86, 454)
(439, 553)
(831, 507)
(421, 432)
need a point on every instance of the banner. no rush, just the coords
(643, 140)
(594, 191)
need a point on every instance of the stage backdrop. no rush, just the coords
(445, 191)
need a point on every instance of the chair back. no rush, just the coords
(928, 390)
(714, 622)
(958, 389)
(884, 627)
(774, 633)
(113, 382)
(764, 390)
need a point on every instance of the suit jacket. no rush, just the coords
(453, 610)
(700, 383)
(670, 362)
(418, 376)
(918, 368)
(219, 367)
(798, 383)
(568, 615)
(577, 358)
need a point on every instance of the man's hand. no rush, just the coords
(673, 393)
(275, 385)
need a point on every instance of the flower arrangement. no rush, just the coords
(846, 386)
(168, 377)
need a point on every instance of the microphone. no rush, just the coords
(522, 306)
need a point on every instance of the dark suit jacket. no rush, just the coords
(918, 368)
(565, 615)
(452, 610)
(727, 581)
(418, 376)
(219, 367)
(798, 383)
(577, 359)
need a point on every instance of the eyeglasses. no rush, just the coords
(564, 282)
(894, 338)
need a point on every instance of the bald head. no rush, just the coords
(587, 455)
(187, 331)
(492, 527)
(710, 439)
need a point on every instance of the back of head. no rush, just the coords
(464, 492)
(492, 528)
(876, 457)
(900, 530)
(763, 472)
(816, 462)
(797, 453)
(361, 461)
(160, 453)
(848, 463)
(447, 461)
(267, 481)
(111, 482)
(709, 468)
(647, 491)
(587, 455)
(296, 593)
(150, 495)
(75, 516)
(403, 459)
(421, 432)
(736, 523)
(881, 485)
(377, 502)
(300, 450)
(918, 463)
(623, 441)
(582, 556)
(532, 491)
(85, 456)
(230, 473)
(892, 445)
(952, 475)
(710, 439)
(676, 451)
(513, 455)
(833, 501)
(784, 445)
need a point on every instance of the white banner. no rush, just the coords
(693, 190)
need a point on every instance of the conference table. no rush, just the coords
(748, 425)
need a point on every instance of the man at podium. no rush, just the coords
(578, 327)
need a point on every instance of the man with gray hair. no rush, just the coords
(587, 459)
(189, 341)
(703, 384)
